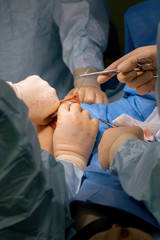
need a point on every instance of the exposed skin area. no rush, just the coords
(85, 215)
(119, 233)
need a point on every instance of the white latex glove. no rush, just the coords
(112, 140)
(75, 134)
(40, 98)
(88, 89)
(144, 82)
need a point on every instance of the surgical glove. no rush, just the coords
(87, 87)
(74, 135)
(45, 136)
(112, 140)
(40, 98)
(90, 95)
(143, 82)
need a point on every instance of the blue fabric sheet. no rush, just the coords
(138, 107)
(101, 187)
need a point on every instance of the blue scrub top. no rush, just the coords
(141, 24)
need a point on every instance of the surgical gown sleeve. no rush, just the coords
(73, 174)
(84, 29)
(138, 166)
(33, 199)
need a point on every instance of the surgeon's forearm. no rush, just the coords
(84, 31)
(137, 165)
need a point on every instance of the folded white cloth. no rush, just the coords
(151, 126)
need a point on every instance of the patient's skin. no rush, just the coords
(84, 216)
(116, 232)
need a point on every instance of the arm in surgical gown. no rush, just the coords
(84, 30)
(138, 166)
(51, 39)
(34, 199)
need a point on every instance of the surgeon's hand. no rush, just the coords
(112, 140)
(90, 95)
(45, 136)
(143, 82)
(88, 89)
(75, 134)
(40, 98)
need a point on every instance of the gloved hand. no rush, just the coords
(40, 98)
(112, 140)
(45, 136)
(75, 134)
(144, 82)
(88, 88)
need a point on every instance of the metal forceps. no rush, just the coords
(141, 62)
(109, 124)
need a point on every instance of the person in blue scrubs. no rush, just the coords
(141, 24)
(57, 40)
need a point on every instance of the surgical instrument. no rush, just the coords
(115, 126)
(109, 124)
(141, 62)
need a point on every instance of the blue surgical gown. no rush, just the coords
(51, 38)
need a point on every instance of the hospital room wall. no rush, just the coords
(118, 8)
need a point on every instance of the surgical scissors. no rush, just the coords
(141, 62)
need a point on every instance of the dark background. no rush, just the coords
(118, 8)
